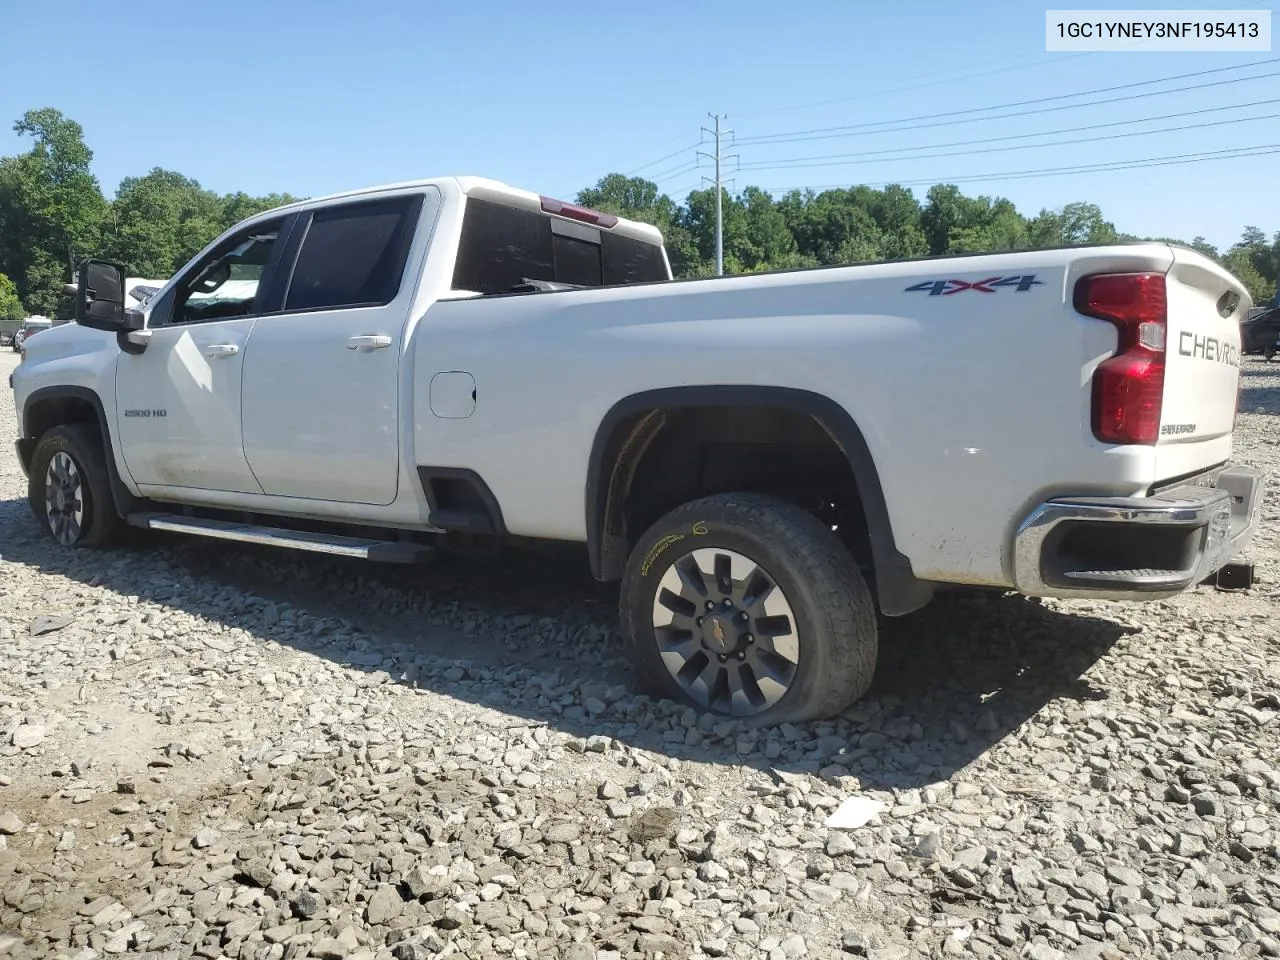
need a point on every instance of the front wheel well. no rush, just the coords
(50, 407)
(41, 416)
(650, 457)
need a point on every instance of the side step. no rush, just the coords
(383, 551)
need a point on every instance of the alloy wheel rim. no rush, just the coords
(726, 632)
(64, 498)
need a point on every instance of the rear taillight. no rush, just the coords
(1128, 389)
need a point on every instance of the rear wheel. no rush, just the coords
(69, 491)
(746, 605)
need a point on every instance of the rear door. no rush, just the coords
(321, 377)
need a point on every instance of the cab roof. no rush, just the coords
(497, 191)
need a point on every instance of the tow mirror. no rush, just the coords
(100, 296)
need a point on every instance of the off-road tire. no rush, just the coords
(834, 612)
(100, 525)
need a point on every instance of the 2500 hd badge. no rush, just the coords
(146, 413)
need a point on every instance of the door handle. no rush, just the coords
(219, 351)
(369, 342)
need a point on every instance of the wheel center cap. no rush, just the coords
(718, 634)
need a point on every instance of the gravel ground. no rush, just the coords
(212, 751)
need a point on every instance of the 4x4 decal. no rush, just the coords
(945, 288)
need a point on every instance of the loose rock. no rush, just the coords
(261, 756)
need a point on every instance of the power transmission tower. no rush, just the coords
(718, 157)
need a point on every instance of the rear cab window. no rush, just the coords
(503, 246)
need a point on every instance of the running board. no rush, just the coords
(383, 551)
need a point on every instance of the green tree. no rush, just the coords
(954, 223)
(1261, 256)
(989, 225)
(1239, 262)
(10, 306)
(897, 213)
(241, 206)
(837, 226)
(698, 218)
(1201, 245)
(767, 243)
(1076, 223)
(1275, 268)
(52, 212)
(51, 207)
(159, 221)
(631, 197)
(638, 199)
(1083, 223)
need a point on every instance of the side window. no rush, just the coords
(500, 247)
(226, 283)
(353, 255)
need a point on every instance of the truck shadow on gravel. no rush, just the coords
(532, 635)
(1257, 392)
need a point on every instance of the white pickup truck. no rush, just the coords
(767, 462)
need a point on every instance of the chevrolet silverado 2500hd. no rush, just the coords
(766, 462)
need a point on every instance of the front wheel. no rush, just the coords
(69, 490)
(746, 605)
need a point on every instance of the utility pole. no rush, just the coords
(717, 158)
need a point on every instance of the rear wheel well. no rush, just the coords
(798, 446)
(699, 451)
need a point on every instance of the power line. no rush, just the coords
(1259, 150)
(949, 116)
(765, 165)
(1015, 136)
(683, 191)
(669, 156)
(1024, 113)
(1038, 60)
(674, 172)
(664, 143)
(942, 78)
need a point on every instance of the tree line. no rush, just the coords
(53, 212)
(859, 224)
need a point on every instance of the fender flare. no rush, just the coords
(899, 591)
(124, 500)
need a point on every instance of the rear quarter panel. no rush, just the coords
(973, 396)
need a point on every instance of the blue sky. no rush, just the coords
(319, 96)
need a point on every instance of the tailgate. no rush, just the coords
(1202, 356)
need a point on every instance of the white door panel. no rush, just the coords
(320, 418)
(178, 406)
(321, 382)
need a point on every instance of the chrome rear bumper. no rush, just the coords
(1137, 548)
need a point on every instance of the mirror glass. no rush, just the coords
(104, 282)
(100, 295)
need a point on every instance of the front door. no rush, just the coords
(321, 377)
(178, 401)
